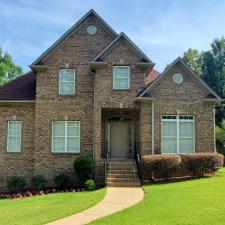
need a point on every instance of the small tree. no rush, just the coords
(8, 69)
(84, 167)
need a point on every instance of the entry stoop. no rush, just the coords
(122, 173)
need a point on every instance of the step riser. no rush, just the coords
(122, 175)
(122, 172)
(125, 180)
(132, 164)
(123, 184)
(122, 168)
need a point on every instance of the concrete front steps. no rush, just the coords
(122, 173)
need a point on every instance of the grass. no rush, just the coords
(192, 202)
(42, 209)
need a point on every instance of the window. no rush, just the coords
(66, 81)
(121, 77)
(177, 134)
(66, 136)
(14, 136)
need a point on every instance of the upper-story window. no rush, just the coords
(66, 81)
(121, 77)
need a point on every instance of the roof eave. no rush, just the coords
(144, 99)
(38, 68)
(12, 102)
(95, 65)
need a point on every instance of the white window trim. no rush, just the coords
(19, 150)
(178, 137)
(65, 148)
(74, 81)
(121, 78)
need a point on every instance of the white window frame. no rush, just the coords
(74, 81)
(178, 132)
(66, 137)
(114, 69)
(8, 136)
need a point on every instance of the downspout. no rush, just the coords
(153, 127)
(94, 117)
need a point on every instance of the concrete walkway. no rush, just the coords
(116, 199)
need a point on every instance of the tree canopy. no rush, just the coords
(8, 69)
(210, 66)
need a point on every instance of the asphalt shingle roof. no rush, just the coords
(21, 89)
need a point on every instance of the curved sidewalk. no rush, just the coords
(116, 199)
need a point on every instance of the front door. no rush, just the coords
(119, 138)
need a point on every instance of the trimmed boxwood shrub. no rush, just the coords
(168, 166)
(200, 164)
(161, 166)
(89, 185)
(38, 182)
(84, 167)
(61, 180)
(16, 183)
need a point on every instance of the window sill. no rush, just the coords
(65, 153)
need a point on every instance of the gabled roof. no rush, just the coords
(22, 88)
(151, 76)
(192, 73)
(131, 44)
(67, 33)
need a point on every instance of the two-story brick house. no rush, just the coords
(86, 94)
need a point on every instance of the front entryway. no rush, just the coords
(119, 138)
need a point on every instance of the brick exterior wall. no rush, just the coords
(94, 101)
(74, 52)
(16, 163)
(184, 99)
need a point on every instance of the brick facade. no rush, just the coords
(94, 102)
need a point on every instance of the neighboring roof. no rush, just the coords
(22, 88)
(151, 76)
(119, 37)
(70, 30)
(159, 78)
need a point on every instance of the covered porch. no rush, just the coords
(120, 132)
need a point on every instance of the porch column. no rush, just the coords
(97, 134)
(146, 128)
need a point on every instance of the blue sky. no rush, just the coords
(163, 29)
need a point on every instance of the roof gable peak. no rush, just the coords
(68, 32)
(191, 72)
(131, 43)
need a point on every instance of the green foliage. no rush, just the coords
(38, 182)
(84, 167)
(168, 166)
(8, 69)
(61, 180)
(160, 166)
(89, 185)
(16, 183)
(201, 163)
(210, 66)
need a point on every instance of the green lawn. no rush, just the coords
(43, 209)
(193, 202)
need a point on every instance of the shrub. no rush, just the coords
(89, 185)
(84, 167)
(38, 182)
(201, 163)
(16, 183)
(161, 166)
(61, 180)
